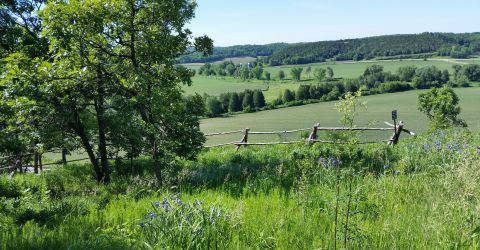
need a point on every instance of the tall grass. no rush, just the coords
(423, 193)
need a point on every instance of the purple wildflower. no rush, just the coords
(438, 144)
(142, 225)
(156, 203)
(386, 166)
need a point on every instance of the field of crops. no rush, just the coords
(378, 109)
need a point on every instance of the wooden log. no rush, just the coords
(396, 135)
(225, 133)
(278, 132)
(244, 139)
(313, 135)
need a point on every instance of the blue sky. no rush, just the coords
(231, 22)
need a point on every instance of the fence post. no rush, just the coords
(313, 135)
(64, 156)
(396, 135)
(244, 139)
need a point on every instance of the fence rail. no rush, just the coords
(313, 137)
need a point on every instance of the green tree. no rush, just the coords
(288, 96)
(441, 105)
(247, 102)
(303, 92)
(234, 104)
(258, 99)
(214, 106)
(330, 73)
(320, 74)
(267, 76)
(257, 72)
(296, 73)
(308, 71)
(281, 75)
(406, 73)
(472, 72)
(107, 61)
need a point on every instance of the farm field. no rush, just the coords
(352, 69)
(218, 85)
(378, 109)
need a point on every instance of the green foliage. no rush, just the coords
(288, 96)
(303, 92)
(472, 72)
(319, 74)
(186, 225)
(296, 73)
(214, 106)
(330, 73)
(441, 107)
(390, 46)
(247, 101)
(258, 99)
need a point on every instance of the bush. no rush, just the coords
(441, 108)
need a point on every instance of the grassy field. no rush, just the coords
(416, 195)
(354, 69)
(379, 108)
(218, 85)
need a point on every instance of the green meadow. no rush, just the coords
(377, 112)
(217, 85)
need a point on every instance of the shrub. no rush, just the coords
(441, 108)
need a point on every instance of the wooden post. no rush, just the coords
(64, 156)
(40, 162)
(396, 135)
(245, 138)
(313, 135)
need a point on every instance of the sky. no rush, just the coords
(235, 22)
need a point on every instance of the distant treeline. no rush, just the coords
(221, 53)
(443, 44)
(380, 47)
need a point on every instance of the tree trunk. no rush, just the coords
(64, 156)
(80, 131)
(40, 162)
(102, 141)
(35, 161)
(156, 162)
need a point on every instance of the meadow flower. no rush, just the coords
(396, 172)
(438, 144)
(142, 225)
(426, 147)
(156, 203)
(386, 166)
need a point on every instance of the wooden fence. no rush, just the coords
(397, 129)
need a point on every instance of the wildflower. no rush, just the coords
(156, 203)
(478, 150)
(386, 166)
(465, 146)
(438, 144)
(323, 161)
(426, 147)
(396, 172)
(449, 146)
(142, 225)
(152, 215)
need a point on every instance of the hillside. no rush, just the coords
(390, 46)
(221, 53)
